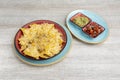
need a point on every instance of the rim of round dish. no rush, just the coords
(15, 43)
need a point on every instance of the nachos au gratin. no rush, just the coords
(41, 41)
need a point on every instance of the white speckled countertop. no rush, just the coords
(83, 62)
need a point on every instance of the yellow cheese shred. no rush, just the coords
(41, 41)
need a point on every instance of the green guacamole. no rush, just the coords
(81, 21)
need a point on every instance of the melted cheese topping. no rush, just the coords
(41, 41)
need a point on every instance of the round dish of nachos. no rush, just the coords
(40, 40)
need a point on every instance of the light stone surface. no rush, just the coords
(83, 62)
